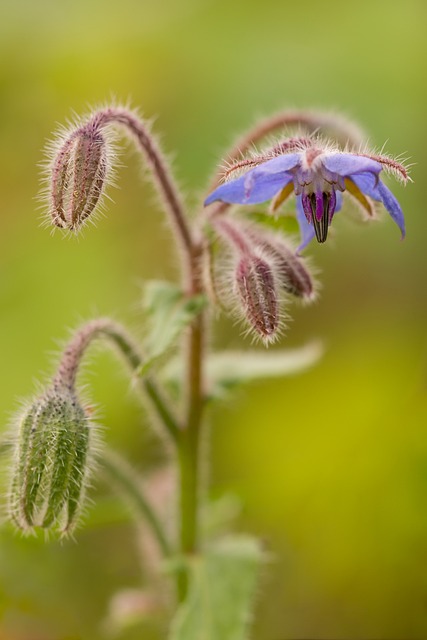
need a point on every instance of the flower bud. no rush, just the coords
(78, 175)
(254, 282)
(52, 456)
(292, 272)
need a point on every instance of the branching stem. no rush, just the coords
(162, 176)
(128, 483)
(105, 328)
(189, 441)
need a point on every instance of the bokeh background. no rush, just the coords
(330, 466)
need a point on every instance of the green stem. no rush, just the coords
(134, 359)
(128, 482)
(104, 327)
(189, 437)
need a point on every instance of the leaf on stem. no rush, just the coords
(228, 369)
(168, 312)
(222, 588)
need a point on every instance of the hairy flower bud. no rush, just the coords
(255, 285)
(291, 270)
(78, 174)
(52, 457)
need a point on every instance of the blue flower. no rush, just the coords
(318, 177)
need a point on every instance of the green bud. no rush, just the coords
(52, 457)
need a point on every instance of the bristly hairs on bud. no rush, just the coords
(256, 288)
(80, 165)
(250, 283)
(55, 441)
(54, 444)
(294, 273)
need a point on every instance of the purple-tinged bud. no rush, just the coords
(78, 174)
(51, 463)
(255, 285)
(292, 273)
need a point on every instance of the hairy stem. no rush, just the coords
(105, 328)
(188, 437)
(189, 441)
(166, 186)
(128, 483)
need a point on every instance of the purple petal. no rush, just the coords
(338, 203)
(276, 165)
(345, 164)
(306, 229)
(249, 190)
(259, 184)
(375, 189)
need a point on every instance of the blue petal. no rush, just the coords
(339, 198)
(345, 164)
(250, 189)
(306, 229)
(375, 189)
(259, 184)
(278, 165)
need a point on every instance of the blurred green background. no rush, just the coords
(331, 466)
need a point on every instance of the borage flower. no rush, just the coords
(318, 176)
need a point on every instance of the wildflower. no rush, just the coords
(318, 176)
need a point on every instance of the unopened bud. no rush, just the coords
(254, 281)
(293, 275)
(52, 456)
(292, 272)
(78, 174)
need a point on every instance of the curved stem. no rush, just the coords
(103, 327)
(232, 234)
(159, 166)
(128, 483)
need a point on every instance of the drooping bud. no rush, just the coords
(51, 462)
(256, 287)
(293, 274)
(291, 271)
(78, 174)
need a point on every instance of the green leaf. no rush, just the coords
(285, 222)
(228, 369)
(168, 311)
(222, 588)
(219, 515)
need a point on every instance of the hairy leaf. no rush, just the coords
(228, 369)
(168, 312)
(222, 589)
